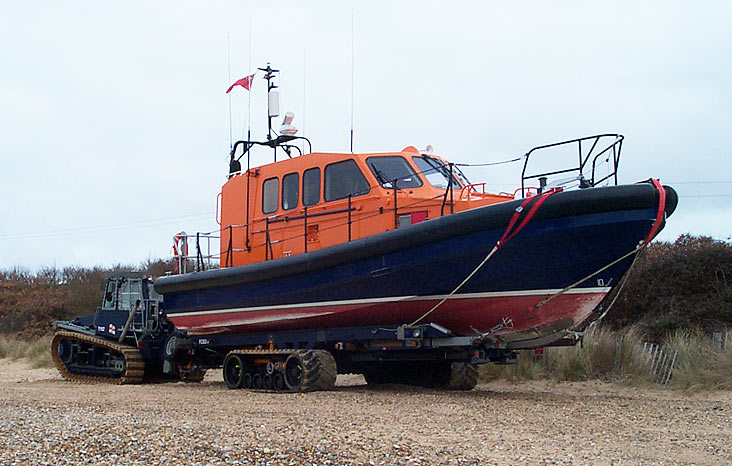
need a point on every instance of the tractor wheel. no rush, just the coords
(310, 370)
(463, 376)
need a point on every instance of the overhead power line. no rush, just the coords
(698, 182)
(90, 229)
(705, 195)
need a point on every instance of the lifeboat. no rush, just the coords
(334, 240)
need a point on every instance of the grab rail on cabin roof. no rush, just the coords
(607, 146)
(280, 142)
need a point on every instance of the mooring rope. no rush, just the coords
(654, 228)
(532, 211)
(510, 232)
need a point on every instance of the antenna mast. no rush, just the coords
(249, 94)
(273, 101)
(228, 59)
(352, 73)
(304, 88)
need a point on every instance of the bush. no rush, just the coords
(682, 285)
(30, 302)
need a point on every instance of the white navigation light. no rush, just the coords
(274, 103)
(428, 150)
(287, 127)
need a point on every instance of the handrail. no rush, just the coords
(615, 145)
(469, 187)
(448, 188)
(201, 259)
(280, 141)
(298, 217)
(226, 255)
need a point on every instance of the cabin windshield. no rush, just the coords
(436, 172)
(387, 169)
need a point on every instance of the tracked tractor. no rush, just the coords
(127, 340)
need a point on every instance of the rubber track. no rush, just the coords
(319, 365)
(462, 376)
(134, 364)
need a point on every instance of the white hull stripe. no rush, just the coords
(351, 302)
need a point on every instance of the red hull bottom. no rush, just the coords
(464, 314)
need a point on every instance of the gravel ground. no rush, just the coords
(48, 421)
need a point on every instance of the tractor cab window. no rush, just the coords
(390, 169)
(343, 179)
(110, 295)
(129, 292)
(436, 172)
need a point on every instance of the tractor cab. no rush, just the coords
(123, 290)
(129, 311)
(130, 307)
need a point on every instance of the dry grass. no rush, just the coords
(617, 356)
(37, 352)
(700, 363)
(604, 354)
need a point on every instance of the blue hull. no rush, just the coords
(394, 277)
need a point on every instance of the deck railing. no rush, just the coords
(603, 148)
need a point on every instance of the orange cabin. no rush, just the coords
(319, 200)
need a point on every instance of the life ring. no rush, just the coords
(180, 250)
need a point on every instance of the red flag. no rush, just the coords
(246, 83)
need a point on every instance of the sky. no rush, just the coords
(114, 121)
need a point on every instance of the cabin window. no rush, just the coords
(311, 186)
(435, 171)
(343, 179)
(387, 169)
(290, 190)
(270, 195)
